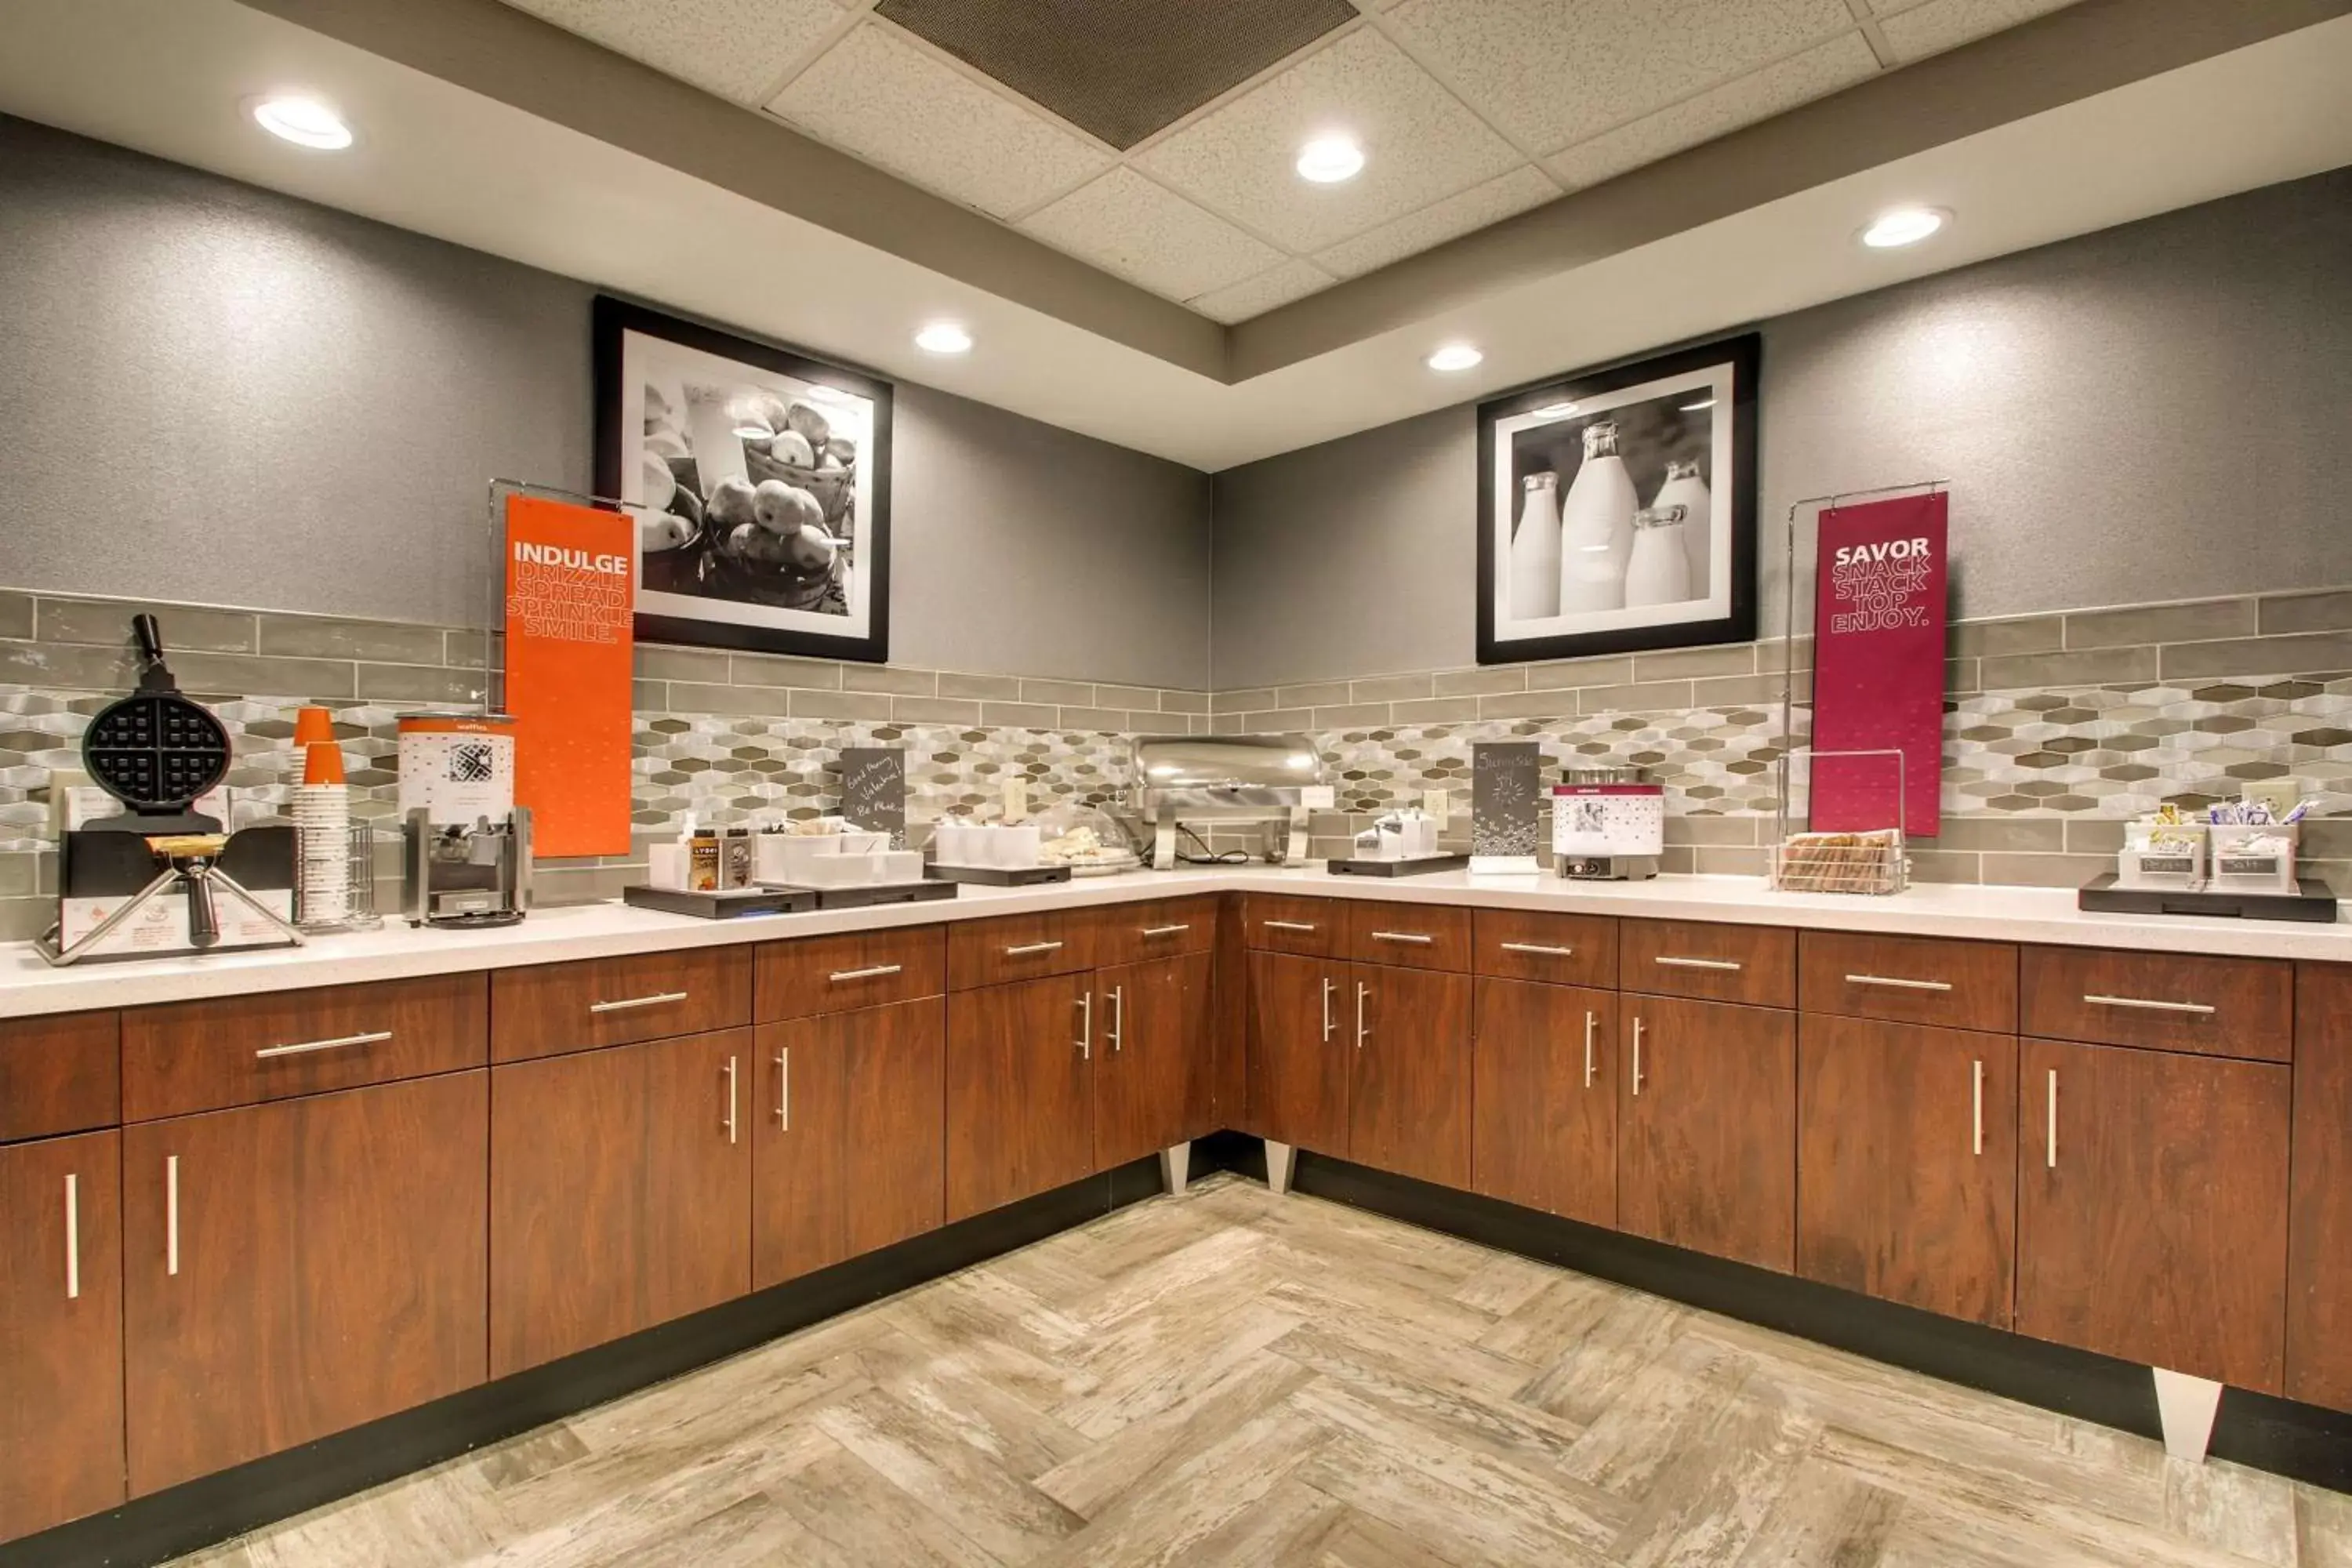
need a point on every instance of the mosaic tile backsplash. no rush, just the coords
(2058, 727)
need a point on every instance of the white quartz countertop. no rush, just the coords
(29, 986)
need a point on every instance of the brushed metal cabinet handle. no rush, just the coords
(1637, 1057)
(623, 1003)
(1119, 1019)
(1362, 991)
(2149, 1005)
(1026, 949)
(372, 1037)
(1591, 1022)
(1898, 983)
(73, 1236)
(1329, 985)
(1086, 1042)
(1976, 1111)
(1418, 938)
(1165, 931)
(171, 1215)
(872, 972)
(1288, 925)
(2053, 1138)
(784, 1089)
(731, 1100)
(1722, 963)
(1536, 947)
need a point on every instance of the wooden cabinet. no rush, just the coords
(186, 1056)
(1756, 966)
(1299, 1049)
(550, 1009)
(1411, 936)
(1561, 950)
(1020, 1089)
(59, 1075)
(2163, 1001)
(1707, 1128)
(60, 1331)
(849, 1156)
(1906, 1164)
(1409, 1073)
(1544, 1099)
(294, 1269)
(1161, 928)
(1020, 947)
(2319, 1223)
(1282, 923)
(1909, 980)
(854, 969)
(620, 1192)
(2151, 1208)
(1153, 1060)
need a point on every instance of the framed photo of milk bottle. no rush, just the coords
(1617, 508)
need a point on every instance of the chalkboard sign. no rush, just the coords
(1506, 794)
(874, 790)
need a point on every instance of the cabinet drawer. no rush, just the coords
(2166, 1002)
(1019, 947)
(1411, 936)
(1909, 980)
(1309, 927)
(1753, 964)
(60, 1074)
(551, 1008)
(1129, 933)
(187, 1056)
(856, 969)
(1563, 950)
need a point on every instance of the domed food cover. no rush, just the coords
(1227, 779)
(1086, 840)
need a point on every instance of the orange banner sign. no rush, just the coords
(570, 586)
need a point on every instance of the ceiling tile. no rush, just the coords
(1551, 74)
(1420, 144)
(1941, 24)
(1524, 188)
(883, 98)
(1255, 296)
(1148, 234)
(736, 49)
(1744, 100)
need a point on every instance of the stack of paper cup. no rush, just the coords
(322, 833)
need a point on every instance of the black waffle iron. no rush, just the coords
(155, 750)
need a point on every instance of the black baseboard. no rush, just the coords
(214, 1507)
(2303, 1442)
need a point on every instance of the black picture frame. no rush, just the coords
(865, 638)
(1735, 362)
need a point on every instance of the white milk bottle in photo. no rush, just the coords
(1596, 530)
(1657, 571)
(1535, 550)
(1686, 490)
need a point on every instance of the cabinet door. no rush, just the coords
(1020, 1089)
(1906, 1164)
(60, 1331)
(1707, 1128)
(847, 1157)
(294, 1269)
(2151, 1208)
(1544, 1099)
(1409, 1089)
(620, 1192)
(2319, 1228)
(1300, 1050)
(1151, 1066)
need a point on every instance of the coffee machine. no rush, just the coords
(467, 875)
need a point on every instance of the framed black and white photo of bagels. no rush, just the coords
(1617, 508)
(760, 478)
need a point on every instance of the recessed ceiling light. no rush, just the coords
(943, 338)
(1704, 403)
(305, 121)
(1903, 225)
(1454, 356)
(1328, 160)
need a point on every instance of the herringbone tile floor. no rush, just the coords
(1233, 1377)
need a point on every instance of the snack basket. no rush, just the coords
(1874, 861)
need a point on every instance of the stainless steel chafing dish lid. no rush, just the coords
(1223, 775)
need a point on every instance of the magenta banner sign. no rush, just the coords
(1878, 665)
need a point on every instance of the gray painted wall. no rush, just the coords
(214, 393)
(2158, 410)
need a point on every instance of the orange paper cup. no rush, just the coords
(312, 725)
(322, 763)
